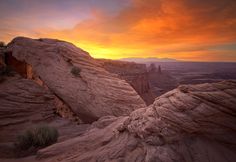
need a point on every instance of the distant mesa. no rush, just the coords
(150, 59)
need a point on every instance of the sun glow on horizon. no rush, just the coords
(182, 30)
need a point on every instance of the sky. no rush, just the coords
(189, 30)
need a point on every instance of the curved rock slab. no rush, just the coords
(189, 124)
(25, 104)
(22, 104)
(91, 94)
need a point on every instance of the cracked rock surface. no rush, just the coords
(193, 123)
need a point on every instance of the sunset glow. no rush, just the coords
(194, 30)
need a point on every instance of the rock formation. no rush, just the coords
(2, 61)
(149, 82)
(189, 124)
(59, 82)
(22, 101)
(24, 104)
(160, 81)
(92, 94)
(135, 74)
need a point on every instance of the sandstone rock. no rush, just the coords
(135, 74)
(2, 61)
(189, 124)
(149, 82)
(22, 102)
(25, 104)
(92, 94)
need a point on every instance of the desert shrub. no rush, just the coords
(37, 137)
(76, 71)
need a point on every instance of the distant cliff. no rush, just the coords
(135, 74)
(160, 80)
(149, 60)
(149, 82)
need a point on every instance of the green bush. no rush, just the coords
(76, 71)
(38, 137)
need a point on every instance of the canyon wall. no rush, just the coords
(135, 74)
(149, 82)
(160, 81)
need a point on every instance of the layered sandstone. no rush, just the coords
(92, 94)
(25, 104)
(22, 102)
(191, 123)
(135, 74)
(2, 61)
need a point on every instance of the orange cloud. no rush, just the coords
(181, 29)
